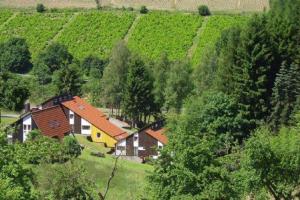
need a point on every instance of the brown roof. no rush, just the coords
(158, 134)
(95, 117)
(51, 121)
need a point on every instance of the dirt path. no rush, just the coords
(196, 39)
(133, 25)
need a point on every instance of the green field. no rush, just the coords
(212, 31)
(6, 121)
(96, 32)
(171, 33)
(129, 180)
(36, 28)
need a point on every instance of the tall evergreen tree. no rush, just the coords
(138, 102)
(285, 95)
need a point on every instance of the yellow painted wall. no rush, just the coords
(104, 138)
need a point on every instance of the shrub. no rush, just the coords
(130, 8)
(40, 8)
(71, 147)
(204, 10)
(144, 10)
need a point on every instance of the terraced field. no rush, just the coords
(36, 28)
(160, 32)
(95, 32)
(212, 31)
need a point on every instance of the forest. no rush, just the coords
(232, 115)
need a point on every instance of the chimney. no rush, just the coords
(27, 107)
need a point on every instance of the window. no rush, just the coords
(85, 127)
(71, 116)
(29, 127)
(135, 138)
(160, 147)
(24, 127)
(121, 148)
(98, 135)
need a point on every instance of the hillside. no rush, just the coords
(95, 33)
(188, 5)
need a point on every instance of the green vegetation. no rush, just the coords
(95, 33)
(161, 32)
(5, 15)
(38, 29)
(212, 32)
(7, 120)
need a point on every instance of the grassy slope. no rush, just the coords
(160, 32)
(128, 181)
(5, 15)
(6, 121)
(95, 33)
(212, 31)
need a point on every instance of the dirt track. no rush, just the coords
(189, 5)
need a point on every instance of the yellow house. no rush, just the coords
(88, 120)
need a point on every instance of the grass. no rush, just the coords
(7, 120)
(129, 180)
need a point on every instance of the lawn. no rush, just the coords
(129, 180)
(7, 120)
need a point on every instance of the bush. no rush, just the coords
(204, 10)
(144, 10)
(71, 147)
(40, 8)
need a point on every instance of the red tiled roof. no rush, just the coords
(95, 117)
(51, 121)
(158, 134)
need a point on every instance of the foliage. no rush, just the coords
(212, 31)
(177, 87)
(160, 32)
(5, 15)
(40, 8)
(113, 87)
(203, 10)
(71, 146)
(68, 80)
(93, 66)
(54, 57)
(13, 92)
(199, 133)
(37, 29)
(15, 56)
(95, 33)
(138, 100)
(271, 162)
(77, 184)
(16, 180)
(144, 10)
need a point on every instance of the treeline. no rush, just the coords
(237, 136)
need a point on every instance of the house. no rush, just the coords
(51, 121)
(87, 120)
(144, 143)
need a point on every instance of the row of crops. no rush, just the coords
(95, 33)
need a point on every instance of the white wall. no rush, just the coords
(71, 121)
(27, 124)
(85, 123)
(122, 144)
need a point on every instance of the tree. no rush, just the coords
(138, 98)
(93, 66)
(54, 57)
(40, 8)
(271, 162)
(203, 10)
(285, 95)
(13, 91)
(16, 180)
(77, 184)
(192, 164)
(178, 85)
(160, 71)
(42, 73)
(68, 80)
(114, 76)
(15, 56)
